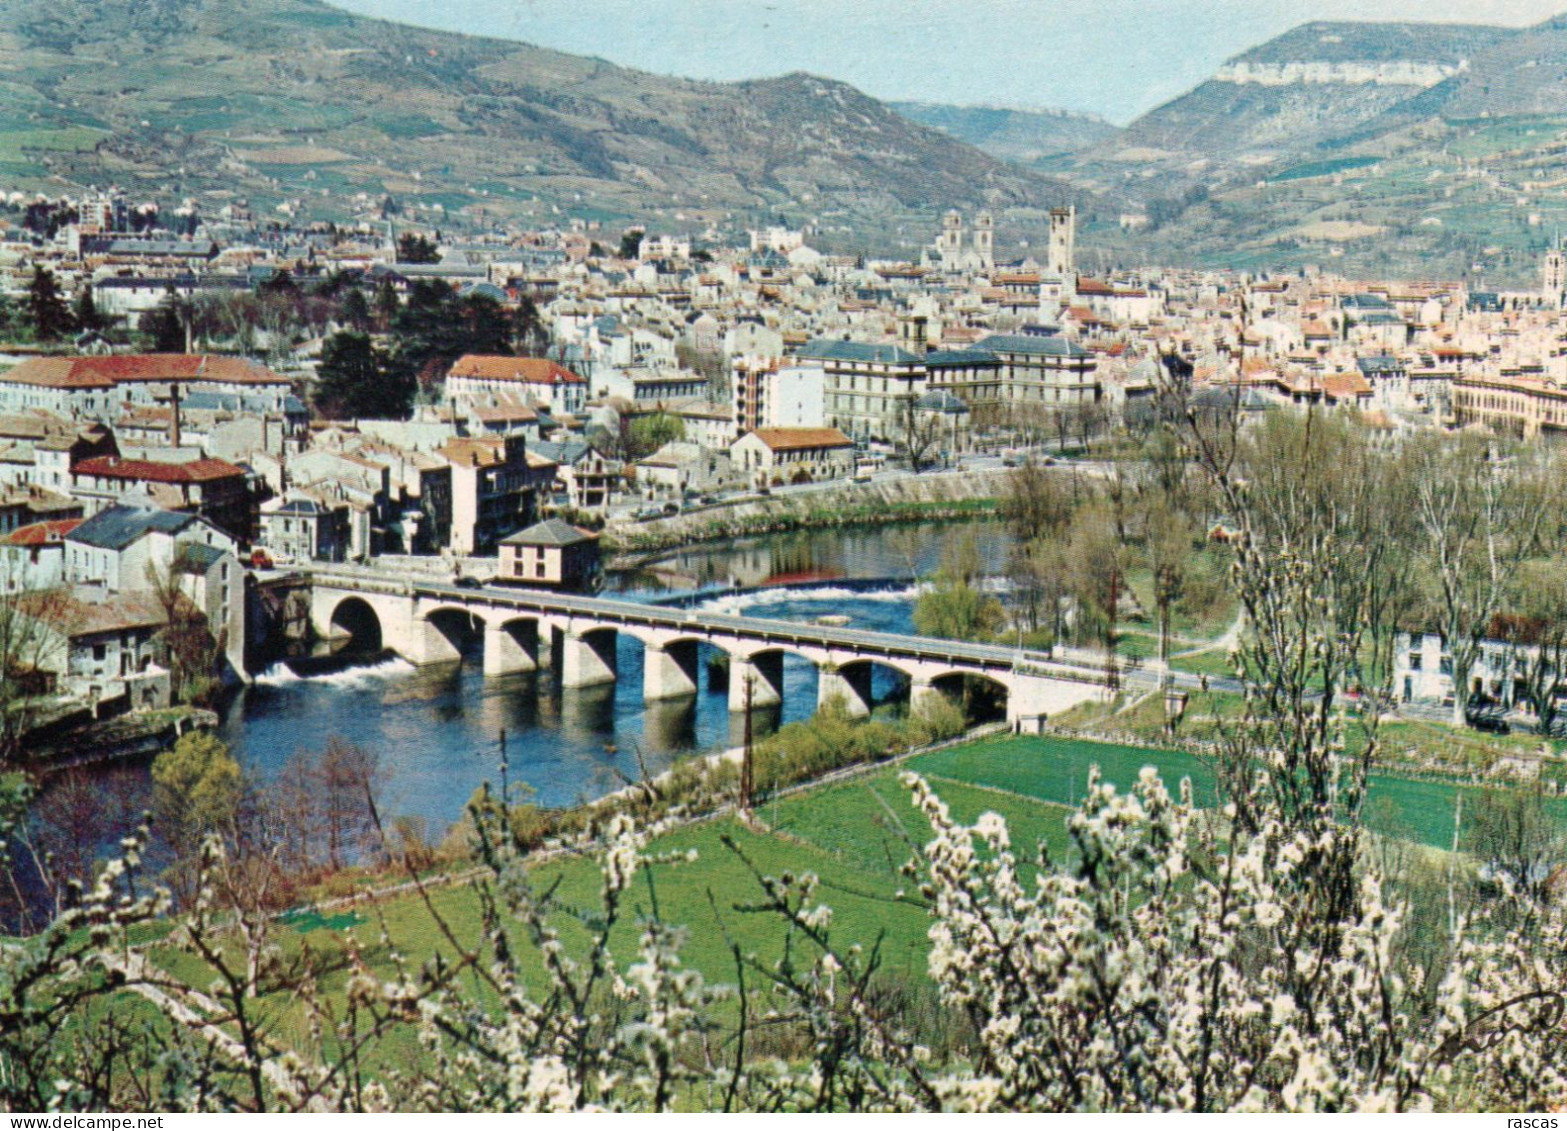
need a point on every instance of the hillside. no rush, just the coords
(1314, 84)
(1021, 136)
(1370, 149)
(281, 99)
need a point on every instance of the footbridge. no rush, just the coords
(524, 630)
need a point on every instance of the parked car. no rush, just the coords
(260, 559)
(1489, 724)
(468, 583)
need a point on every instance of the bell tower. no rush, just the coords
(1555, 274)
(985, 240)
(1061, 255)
(950, 243)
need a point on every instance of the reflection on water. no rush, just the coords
(779, 559)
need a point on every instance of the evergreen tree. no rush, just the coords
(164, 326)
(279, 283)
(532, 336)
(47, 313)
(356, 380)
(87, 316)
(484, 324)
(413, 247)
(387, 304)
(355, 311)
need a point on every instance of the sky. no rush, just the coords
(1114, 58)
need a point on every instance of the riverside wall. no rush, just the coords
(929, 497)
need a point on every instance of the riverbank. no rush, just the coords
(933, 497)
(126, 736)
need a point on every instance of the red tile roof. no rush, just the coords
(794, 439)
(106, 372)
(527, 370)
(42, 533)
(151, 471)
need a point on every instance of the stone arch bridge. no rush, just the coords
(425, 622)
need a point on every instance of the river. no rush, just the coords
(437, 730)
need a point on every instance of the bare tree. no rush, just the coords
(1481, 509)
(922, 431)
(349, 779)
(32, 653)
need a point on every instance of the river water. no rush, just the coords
(437, 730)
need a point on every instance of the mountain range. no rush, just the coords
(281, 99)
(1376, 148)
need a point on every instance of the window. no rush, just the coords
(1414, 661)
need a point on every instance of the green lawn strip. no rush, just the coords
(873, 822)
(1056, 769)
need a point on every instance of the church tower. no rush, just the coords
(950, 243)
(985, 241)
(1555, 272)
(1061, 256)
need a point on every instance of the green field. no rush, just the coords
(853, 835)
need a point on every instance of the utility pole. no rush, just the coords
(1112, 677)
(747, 784)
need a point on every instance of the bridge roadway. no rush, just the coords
(523, 627)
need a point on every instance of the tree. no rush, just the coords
(280, 285)
(28, 639)
(1167, 543)
(631, 243)
(531, 338)
(953, 607)
(348, 778)
(1481, 510)
(647, 434)
(355, 310)
(1516, 839)
(47, 313)
(87, 316)
(922, 430)
(415, 247)
(484, 325)
(188, 645)
(164, 327)
(387, 304)
(1537, 632)
(197, 787)
(356, 380)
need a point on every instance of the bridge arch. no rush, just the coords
(864, 682)
(354, 626)
(983, 697)
(446, 633)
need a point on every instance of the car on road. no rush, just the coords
(468, 583)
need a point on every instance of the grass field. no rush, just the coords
(854, 835)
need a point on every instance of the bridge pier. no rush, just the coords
(427, 644)
(669, 672)
(918, 690)
(851, 684)
(764, 673)
(509, 649)
(587, 658)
